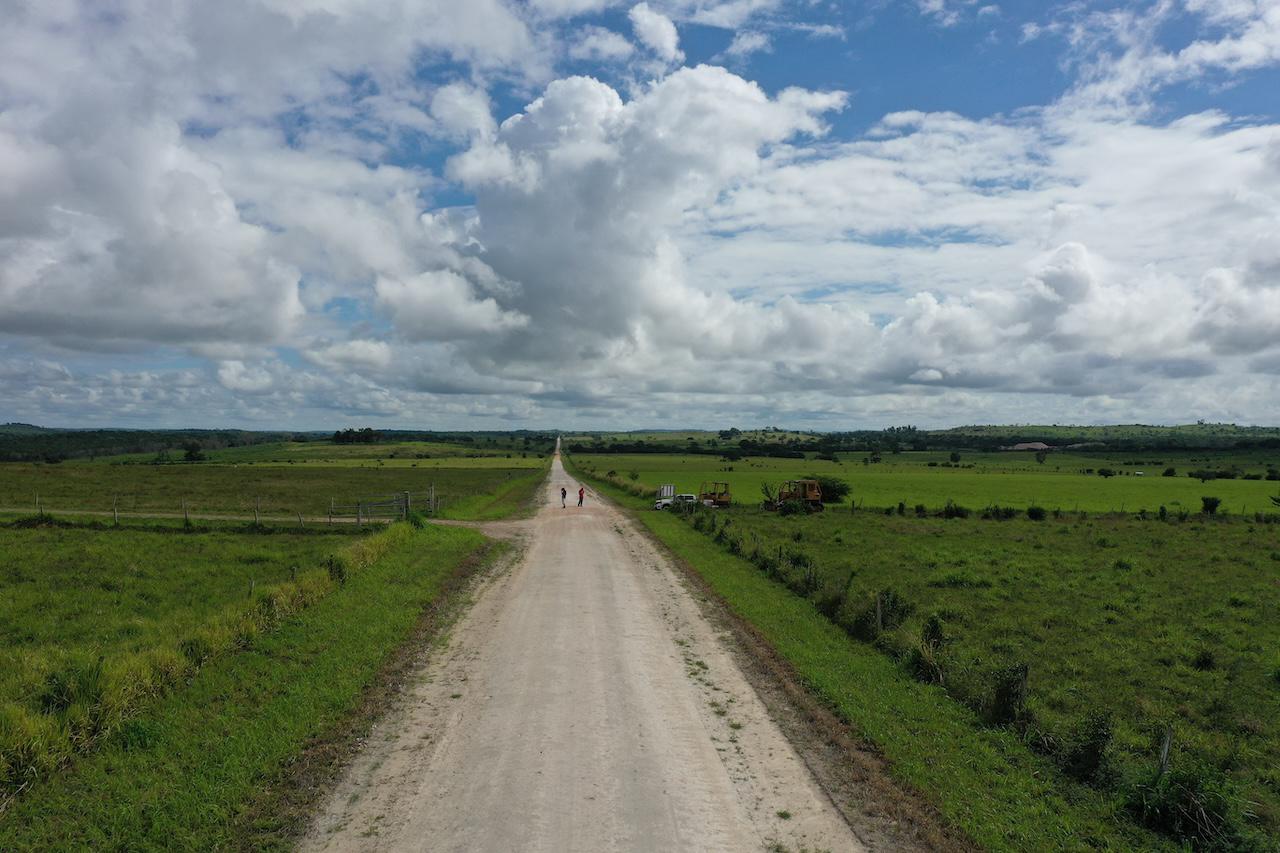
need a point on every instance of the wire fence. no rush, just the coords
(388, 507)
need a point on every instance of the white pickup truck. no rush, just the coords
(675, 500)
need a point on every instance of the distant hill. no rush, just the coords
(24, 429)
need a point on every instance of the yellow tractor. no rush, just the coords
(714, 494)
(808, 492)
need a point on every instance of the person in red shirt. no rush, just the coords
(581, 493)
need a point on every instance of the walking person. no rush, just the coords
(564, 493)
(581, 494)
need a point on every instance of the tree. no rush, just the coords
(195, 453)
(955, 456)
(833, 489)
(1210, 505)
(1041, 455)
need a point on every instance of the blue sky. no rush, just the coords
(588, 213)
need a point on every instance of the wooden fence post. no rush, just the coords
(1164, 752)
(186, 516)
(257, 505)
(115, 509)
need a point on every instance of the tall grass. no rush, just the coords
(60, 703)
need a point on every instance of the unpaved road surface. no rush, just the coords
(583, 703)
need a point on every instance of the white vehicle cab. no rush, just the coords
(675, 500)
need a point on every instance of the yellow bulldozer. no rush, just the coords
(714, 494)
(808, 492)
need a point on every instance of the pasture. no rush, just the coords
(1131, 625)
(206, 765)
(1159, 624)
(977, 480)
(227, 488)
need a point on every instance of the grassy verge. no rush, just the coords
(514, 498)
(984, 781)
(181, 774)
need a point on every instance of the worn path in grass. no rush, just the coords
(583, 704)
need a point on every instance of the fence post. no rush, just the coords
(300, 521)
(331, 512)
(186, 516)
(407, 501)
(358, 507)
(115, 509)
(1164, 752)
(257, 505)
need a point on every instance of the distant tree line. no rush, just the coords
(54, 446)
(368, 435)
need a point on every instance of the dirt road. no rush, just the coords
(582, 704)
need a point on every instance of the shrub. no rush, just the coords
(793, 507)
(1009, 699)
(955, 457)
(894, 609)
(831, 599)
(833, 489)
(954, 510)
(921, 511)
(999, 513)
(1209, 505)
(925, 660)
(1106, 472)
(338, 569)
(1194, 804)
(1036, 513)
(1084, 755)
(1170, 472)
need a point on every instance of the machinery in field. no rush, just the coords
(808, 492)
(715, 494)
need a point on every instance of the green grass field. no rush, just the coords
(235, 489)
(984, 781)
(1157, 623)
(185, 772)
(1006, 479)
(97, 623)
(421, 454)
